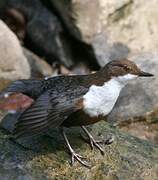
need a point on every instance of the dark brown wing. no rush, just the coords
(48, 111)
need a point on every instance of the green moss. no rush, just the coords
(127, 158)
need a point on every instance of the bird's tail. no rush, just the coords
(20, 95)
(28, 87)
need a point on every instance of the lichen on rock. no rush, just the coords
(127, 158)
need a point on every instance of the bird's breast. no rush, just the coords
(100, 100)
(80, 118)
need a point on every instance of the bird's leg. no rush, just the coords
(95, 143)
(74, 155)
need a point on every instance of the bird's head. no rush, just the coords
(125, 70)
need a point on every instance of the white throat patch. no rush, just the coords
(100, 100)
(126, 78)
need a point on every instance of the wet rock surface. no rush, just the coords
(13, 64)
(127, 158)
(129, 22)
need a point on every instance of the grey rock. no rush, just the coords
(96, 19)
(39, 67)
(13, 64)
(129, 22)
(139, 99)
(105, 51)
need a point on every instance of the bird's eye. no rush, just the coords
(127, 68)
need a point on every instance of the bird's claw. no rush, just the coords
(77, 157)
(107, 141)
(93, 143)
(97, 143)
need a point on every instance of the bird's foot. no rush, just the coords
(96, 143)
(79, 158)
(74, 155)
(108, 141)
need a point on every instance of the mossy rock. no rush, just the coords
(126, 158)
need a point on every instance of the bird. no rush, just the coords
(74, 100)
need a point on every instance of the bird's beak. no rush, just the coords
(145, 74)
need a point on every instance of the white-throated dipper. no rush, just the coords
(78, 100)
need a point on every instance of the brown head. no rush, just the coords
(123, 70)
(124, 67)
